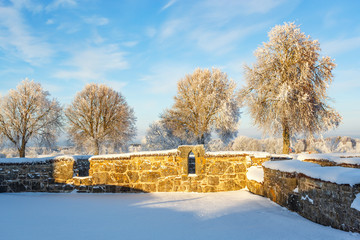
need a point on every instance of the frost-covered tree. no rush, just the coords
(100, 116)
(286, 88)
(160, 137)
(27, 113)
(205, 101)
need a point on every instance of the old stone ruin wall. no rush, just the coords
(163, 171)
(322, 201)
(43, 175)
(167, 171)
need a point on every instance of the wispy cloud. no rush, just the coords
(16, 39)
(150, 32)
(222, 41)
(130, 43)
(49, 22)
(339, 46)
(207, 23)
(164, 76)
(96, 20)
(169, 4)
(172, 27)
(27, 4)
(60, 3)
(93, 64)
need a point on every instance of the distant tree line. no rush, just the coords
(285, 93)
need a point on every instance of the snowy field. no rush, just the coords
(227, 215)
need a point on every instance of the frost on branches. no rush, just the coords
(205, 101)
(160, 137)
(27, 113)
(286, 87)
(100, 116)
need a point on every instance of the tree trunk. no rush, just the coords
(286, 139)
(201, 139)
(22, 151)
(96, 147)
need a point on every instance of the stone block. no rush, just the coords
(240, 167)
(165, 186)
(169, 171)
(213, 180)
(121, 178)
(230, 170)
(145, 165)
(99, 178)
(149, 187)
(133, 165)
(149, 176)
(133, 176)
(209, 189)
(291, 183)
(218, 168)
(120, 167)
(155, 165)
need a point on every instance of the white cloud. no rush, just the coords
(69, 27)
(174, 26)
(116, 85)
(130, 43)
(150, 32)
(93, 64)
(28, 4)
(222, 41)
(16, 39)
(346, 80)
(169, 4)
(49, 22)
(61, 3)
(163, 77)
(215, 26)
(97, 21)
(339, 46)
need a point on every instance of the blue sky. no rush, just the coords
(142, 48)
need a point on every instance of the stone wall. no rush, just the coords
(49, 175)
(166, 172)
(42, 175)
(323, 202)
(163, 171)
(328, 163)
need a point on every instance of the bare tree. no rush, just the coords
(159, 137)
(99, 115)
(27, 113)
(286, 87)
(205, 101)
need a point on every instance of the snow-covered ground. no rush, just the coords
(226, 215)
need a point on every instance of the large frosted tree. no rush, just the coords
(27, 113)
(286, 87)
(100, 116)
(205, 101)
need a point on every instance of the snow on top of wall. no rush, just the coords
(80, 157)
(135, 154)
(237, 153)
(284, 156)
(25, 160)
(255, 173)
(347, 158)
(356, 203)
(42, 159)
(339, 175)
